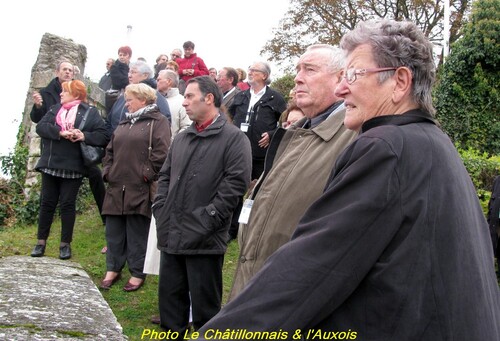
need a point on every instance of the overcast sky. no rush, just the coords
(225, 32)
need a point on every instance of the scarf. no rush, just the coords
(134, 116)
(65, 117)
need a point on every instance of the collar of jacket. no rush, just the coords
(212, 129)
(327, 129)
(411, 116)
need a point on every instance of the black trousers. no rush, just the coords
(257, 167)
(97, 187)
(185, 280)
(127, 240)
(63, 191)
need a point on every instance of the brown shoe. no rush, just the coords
(132, 287)
(107, 284)
(155, 319)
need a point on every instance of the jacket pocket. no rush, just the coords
(214, 222)
(148, 172)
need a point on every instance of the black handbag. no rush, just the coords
(92, 155)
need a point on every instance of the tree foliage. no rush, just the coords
(325, 21)
(467, 96)
(283, 85)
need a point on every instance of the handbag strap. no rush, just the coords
(82, 123)
(150, 148)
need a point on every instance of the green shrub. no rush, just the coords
(283, 85)
(482, 170)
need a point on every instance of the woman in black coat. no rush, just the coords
(494, 217)
(61, 162)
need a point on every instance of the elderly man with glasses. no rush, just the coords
(256, 112)
(307, 150)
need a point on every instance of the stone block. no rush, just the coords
(51, 299)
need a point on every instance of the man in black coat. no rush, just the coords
(51, 95)
(206, 170)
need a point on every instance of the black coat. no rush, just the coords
(199, 185)
(60, 153)
(119, 75)
(264, 118)
(396, 248)
(51, 95)
(493, 215)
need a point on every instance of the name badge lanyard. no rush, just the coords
(246, 124)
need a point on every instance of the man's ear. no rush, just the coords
(209, 98)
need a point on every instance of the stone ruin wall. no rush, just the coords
(53, 49)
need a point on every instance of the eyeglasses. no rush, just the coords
(351, 74)
(175, 56)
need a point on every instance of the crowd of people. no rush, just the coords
(352, 209)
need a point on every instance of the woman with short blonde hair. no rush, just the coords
(134, 156)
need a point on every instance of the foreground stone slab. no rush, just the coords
(51, 299)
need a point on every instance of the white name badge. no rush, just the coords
(245, 211)
(244, 127)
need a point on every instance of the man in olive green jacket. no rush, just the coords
(298, 163)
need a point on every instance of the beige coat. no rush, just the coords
(303, 162)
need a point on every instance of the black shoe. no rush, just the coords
(65, 252)
(38, 251)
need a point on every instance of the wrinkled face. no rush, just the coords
(133, 103)
(365, 98)
(194, 103)
(109, 63)
(135, 77)
(315, 82)
(256, 75)
(66, 97)
(188, 52)
(65, 72)
(223, 82)
(213, 73)
(175, 54)
(163, 58)
(162, 83)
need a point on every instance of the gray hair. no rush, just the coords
(336, 57)
(266, 68)
(172, 75)
(142, 67)
(396, 44)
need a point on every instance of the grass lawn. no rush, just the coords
(133, 310)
